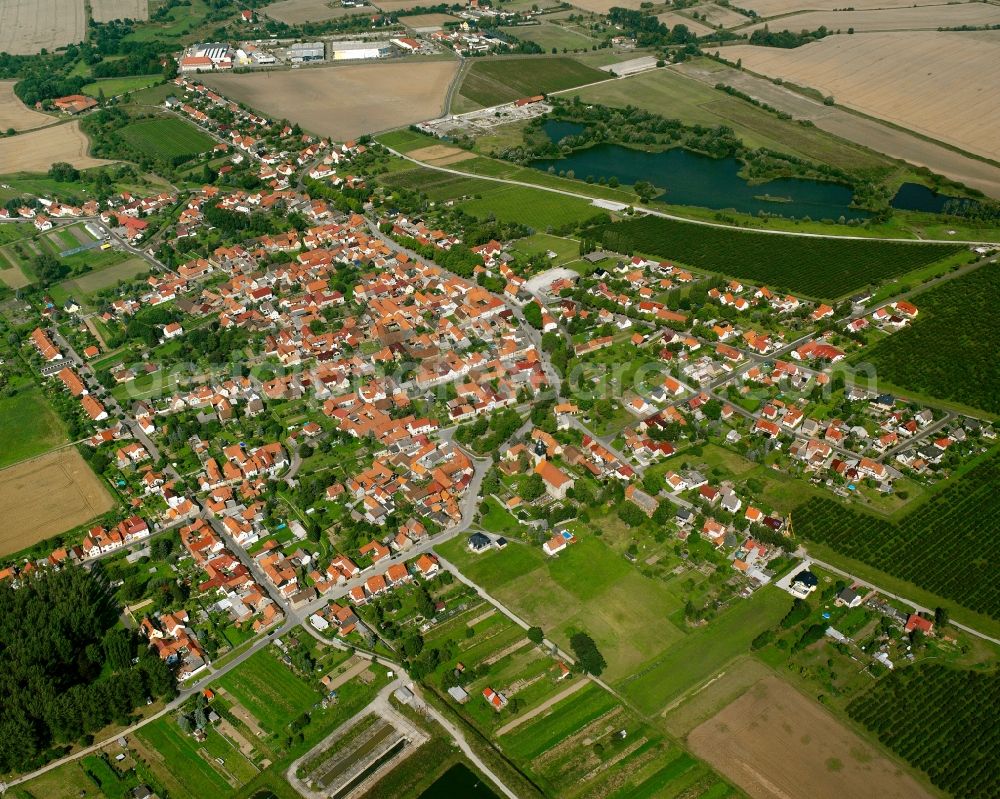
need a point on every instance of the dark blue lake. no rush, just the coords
(915, 197)
(458, 781)
(693, 179)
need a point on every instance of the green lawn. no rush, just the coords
(112, 87)
(538, 209)
(588, 587)
(66, 782)
(533, 738)
(269, 690)
(707, 650)
(491, 82)
(548, 36)
(177, 760)
(28, 426)
(497, 519)
(166, 137)
(123, 268)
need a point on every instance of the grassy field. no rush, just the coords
(503, 81)
(188, 768)
(574, 751)
(28, 426)
(92, 282)
(676, 96)
(820, 268)
(538, 209)
(705, 651)
(588, 587)
(269, 690)
(112, 87)
(533, 207)
(166, 138)
(548, 36)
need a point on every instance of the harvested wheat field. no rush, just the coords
(345, 102)
(391, 6)
(428, 21)
(441, 155)
(604, 6)
(26, 26)
(775, 743)
(672, 18)
(15, 114)
(47, 496)
(772, 8)
(295, 12)
(715, 15)
(919, 18)
(855, 128)
(37, 150)
(940, 84)
(107, 10)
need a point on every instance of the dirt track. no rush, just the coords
(537, 711)
(775, 743)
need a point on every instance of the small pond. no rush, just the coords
(693, 179)
(458, 781)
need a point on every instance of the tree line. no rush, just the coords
(66, 669)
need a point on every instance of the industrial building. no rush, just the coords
(345, 51)
(303, 52)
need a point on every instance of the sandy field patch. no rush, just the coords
(295, 12)
(672, 18)
(427, 20)
(37, 150)
(15, 114)
(875, 135)
(927, 18)
(720, 15)
(47, 496)
(12, 277)
(107, 10)
(26, 26)
(913, 80)
(441, 155)
(774, 743)
(771, 8)
(346, 101)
